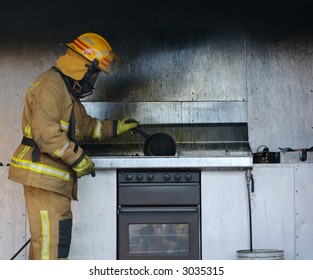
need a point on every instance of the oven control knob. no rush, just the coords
(150, 177)
(177, 177)
(188, 177)
(167, 177)
(129, 177)
(139, 177)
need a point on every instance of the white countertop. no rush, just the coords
(114, 162)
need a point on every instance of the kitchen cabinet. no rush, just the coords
(281, 211)
(282, 208)
(273, 208)
(94, 217)
(224, 214)
(303, 212)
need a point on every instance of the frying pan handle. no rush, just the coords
(139, 130)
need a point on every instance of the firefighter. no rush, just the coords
(49, 160)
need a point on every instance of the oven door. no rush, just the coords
(156, 233)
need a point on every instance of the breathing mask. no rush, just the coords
(86, 85)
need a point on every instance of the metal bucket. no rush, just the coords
(260, 254)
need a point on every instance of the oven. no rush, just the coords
(158, 214)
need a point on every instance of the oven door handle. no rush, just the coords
(156, 209)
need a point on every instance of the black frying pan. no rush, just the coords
(158, 144)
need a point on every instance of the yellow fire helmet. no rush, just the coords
(95, 49)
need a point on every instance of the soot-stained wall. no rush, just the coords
(258, 52)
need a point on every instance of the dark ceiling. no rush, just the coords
(120, 20)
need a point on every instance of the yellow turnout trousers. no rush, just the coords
(50, 220)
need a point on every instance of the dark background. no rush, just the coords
(160, 23)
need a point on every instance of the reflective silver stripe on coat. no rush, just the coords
(64, 126)
(40, 168)
(97, 130)
(60, 153)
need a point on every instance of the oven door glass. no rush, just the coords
(158, 239)
(158, 233)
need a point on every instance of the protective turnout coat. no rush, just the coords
(46, 119)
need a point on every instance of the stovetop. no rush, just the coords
(213, 145)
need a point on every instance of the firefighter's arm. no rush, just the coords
(93, 128)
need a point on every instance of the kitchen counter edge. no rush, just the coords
(107, 162)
